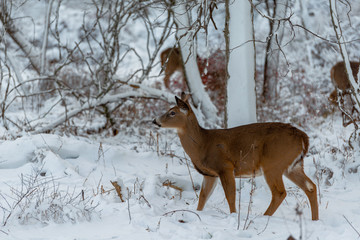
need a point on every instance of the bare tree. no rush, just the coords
(86, 74)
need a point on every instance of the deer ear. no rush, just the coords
(182, 105)
(185, 97)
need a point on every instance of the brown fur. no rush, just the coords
(274, 149)
(340, 79)
(171, 61)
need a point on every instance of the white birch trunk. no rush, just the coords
(241, 97)
(185, 37)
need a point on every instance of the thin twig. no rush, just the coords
(250, 201)
(267, 223)
(352, 226)
(146, 201)
(170, 184)
(192, 182)
(182, 210)
(128, 204)
(238, 226)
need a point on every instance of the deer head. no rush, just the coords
(176, 117)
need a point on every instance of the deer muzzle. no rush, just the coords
(156, 123)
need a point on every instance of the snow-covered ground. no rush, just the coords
(153, 210)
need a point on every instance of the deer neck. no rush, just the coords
(192, 138)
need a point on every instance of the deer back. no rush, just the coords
(339, 76)
(171, 61)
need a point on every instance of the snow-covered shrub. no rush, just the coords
(44, 200)
(213, 75)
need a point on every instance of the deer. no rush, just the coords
(212, 72)
(340, 79)
(171, 61)
(271, 149)
(341, 82)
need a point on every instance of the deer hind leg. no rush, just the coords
(298, 176)
(207, 188)
(228, 183)
(278, 192)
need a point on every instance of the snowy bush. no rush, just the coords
(42, 199)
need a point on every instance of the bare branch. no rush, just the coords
(347, 220)
(30, 51)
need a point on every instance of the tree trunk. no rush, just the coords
(276, 33)
(241, 97)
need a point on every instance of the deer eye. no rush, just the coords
(172, 113)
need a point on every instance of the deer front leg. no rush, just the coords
(207, 188)
(333, 97)
(227, 179)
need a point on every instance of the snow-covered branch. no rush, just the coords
(140, 91)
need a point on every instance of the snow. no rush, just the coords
(83, 164)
